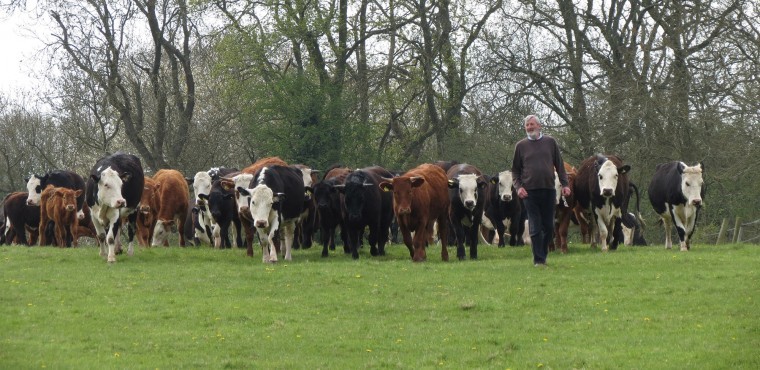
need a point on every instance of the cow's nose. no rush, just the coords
(470, 204)
(121, 203)
(697, 202)
(29, 202)
(506, 197)
(261, 223)
(404, 211)
(70, 208)
(607, 192)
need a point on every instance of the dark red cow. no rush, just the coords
(564, 210)
(146, 215)
(21, 218)
(420, 199)
(173, 197)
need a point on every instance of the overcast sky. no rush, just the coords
(21, 60)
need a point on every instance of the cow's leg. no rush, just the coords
(289, 231)
(73, 229)
(419, 241)
(601, 225)
(372, 238)
(460, 239)
(408, 240)
(112, 236)
(443, 232)
(271, 236)
(472, 233)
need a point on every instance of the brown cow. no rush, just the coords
(243, 179)
(22, 219)
(420, 199)
(173, 197)
(565, 206)
(147, 212)
(59, 205)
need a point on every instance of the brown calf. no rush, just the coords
(563, 212)
(60, 206)
(173, 197)
(147, 212)
(420, 199)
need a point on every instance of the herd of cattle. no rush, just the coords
(286, 205)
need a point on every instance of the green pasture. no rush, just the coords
(200, 308)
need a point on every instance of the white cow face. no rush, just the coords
(505, 185)
(201, 185)
(306, 173)
(608, 178)
(262, 199)
(109, 188)
(34, 187)
(691, 183)
(467, 185)
(242, 181)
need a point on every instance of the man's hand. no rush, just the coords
(566, 191)
(522, 193)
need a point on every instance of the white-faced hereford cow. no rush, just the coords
(20, 218)
(276, 203)
(366, 206)
(601, 191)
(676, 193)
(503, 209)
(420, 200)
(203, 223)
(114, 189)
(467, 197)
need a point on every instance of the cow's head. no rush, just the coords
(242, 180)
(402, 191)
(608, 176)
(161, 231)
(692, 183)
(468, 186)
(149, 198)
(201, 185)
(354, 193)
(505, 182)
(69, 198)
(110, 183)
(215, 203)
(34, 186)
(262, 204)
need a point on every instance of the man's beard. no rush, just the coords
(534, 135)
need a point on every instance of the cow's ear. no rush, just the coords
(625, 169)
(26, 180)
(417, 181)
(195, 210)
(189, 180)
(243, 191)
(494, 180)
(95, 178)
(78, 193)
(386, 186)
(701, 166)
(227, 184)
(279, 197)
(308, 190)
(453, 183)
(481, 184)
(341, 188)
(125, 177)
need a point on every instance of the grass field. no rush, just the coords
(637, 307)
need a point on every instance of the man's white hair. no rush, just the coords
(530, 117)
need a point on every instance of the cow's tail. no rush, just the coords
(639, 219)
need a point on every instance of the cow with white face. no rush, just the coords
(601, 191)
(276, 203)
(503, 209)
(676, 193)
(204, 223)
(114, 189)
(467, 197)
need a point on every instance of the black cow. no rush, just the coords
(601, 191)
(676, 193)
(114, 189)
(365, 205)
(276, 202)
(467, 197)
(327, 199)
(223, 209)
(502, 207)
(21, 218)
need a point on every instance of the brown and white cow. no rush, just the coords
(601, 191)
(420, 199)
(677, 192)
(504, 210)
(114, 189)
(21, 219)
(173, 197)
(59, 204)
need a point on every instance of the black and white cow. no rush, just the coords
(366, 206)
(503, 209)
(467, 197)
(601, 192)
(114, 189)
(276, 203)
(220, 203)
(204, 225)
(677, 192)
